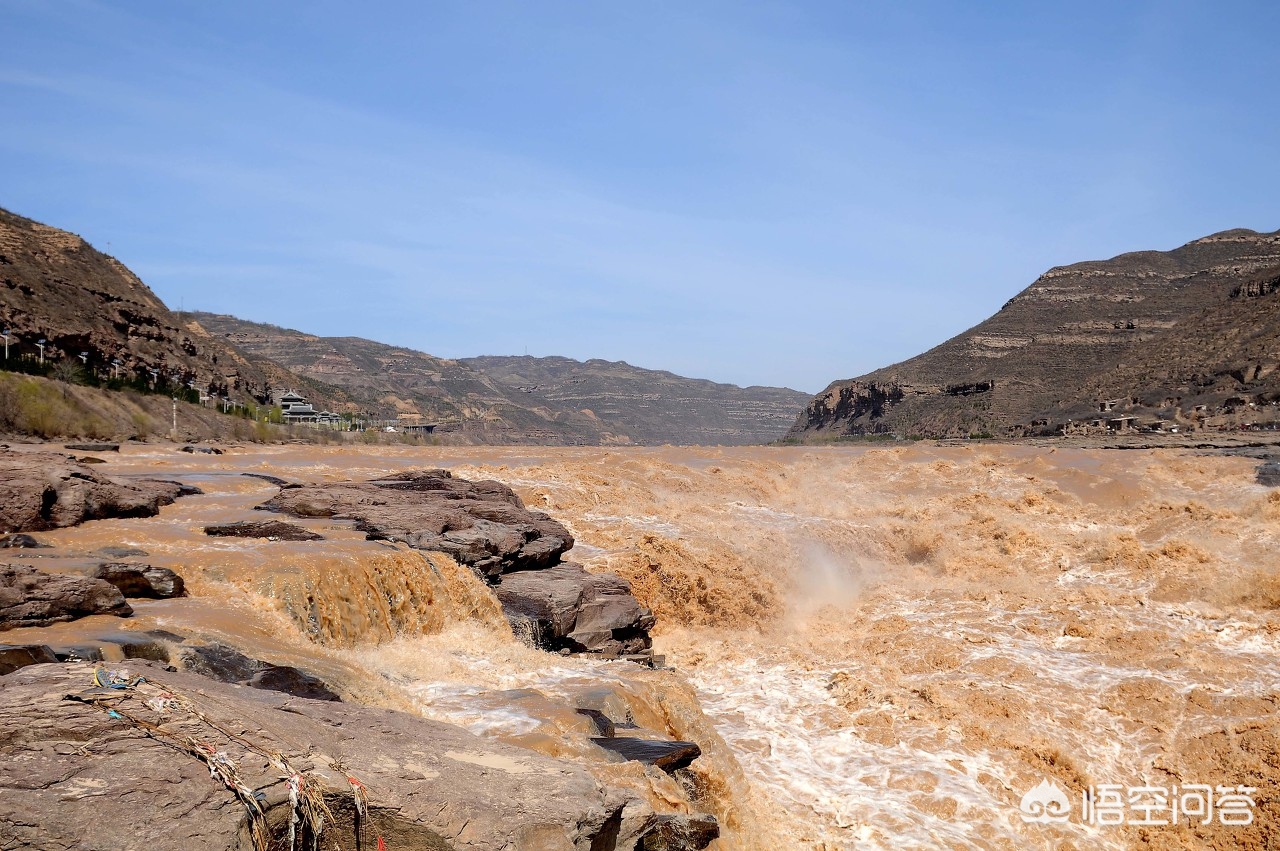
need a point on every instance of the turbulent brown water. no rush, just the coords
(877, 648)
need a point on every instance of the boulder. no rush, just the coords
(574, 609)
(229, 665)
(290, 680)
(29, 597)
(152, 645)
(480, 524)
(219, 662)
(41, 490)
(166, 486)
(603, 723)
(93, 447)
(203, 450)
(21, 542)
(15, 656)
(141, 580)
(1269, 474)
(273, 529)
(114, 769)
(667, 755)
(275, 480)
(679, 833)
(133, 645)
(120, 552)
(485, 525)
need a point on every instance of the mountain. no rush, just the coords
(649, 405)
(522, 400)
(56, 287)
(1151, 335)
(390, 381)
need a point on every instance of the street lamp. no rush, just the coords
(84, 358)
(155, 374)
(6, 334)
(40, 345)
(115, 367)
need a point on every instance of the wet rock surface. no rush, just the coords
(290, 680)
(229, 665)
(21, 542)
(678, 833)
(483, 525)
(30, 597)
(131, 780)
(571, 608)
(93, 447)
(41, 491)
(1269, 474)
(120, 552)
(273, 529)
(603, 723)
(141, 580)
(667, 755)
(15, 656)
(275, 480)
(122, 644)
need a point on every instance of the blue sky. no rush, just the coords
(758, 193)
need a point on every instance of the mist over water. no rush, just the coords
(876, 648)
(826, 579)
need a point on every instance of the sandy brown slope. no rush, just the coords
(1141, 323)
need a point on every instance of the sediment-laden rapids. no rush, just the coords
(873, 647)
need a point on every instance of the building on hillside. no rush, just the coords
(1122, 424)
(296, 410)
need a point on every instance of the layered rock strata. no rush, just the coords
(484, 525)
(44, 490)
(1188, 338)
(212, 766)
(30, 597)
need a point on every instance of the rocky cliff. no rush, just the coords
(523, 399)
(1185, 338)
(56, 288)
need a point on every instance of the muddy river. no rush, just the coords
(986, 647)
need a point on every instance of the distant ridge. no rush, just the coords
(1186, 339)
(56, 287)
(651, 406)
(522, 400)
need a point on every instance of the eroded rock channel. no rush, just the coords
(146, 702)
(557, 605)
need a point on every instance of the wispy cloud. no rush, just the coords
(785, 194)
